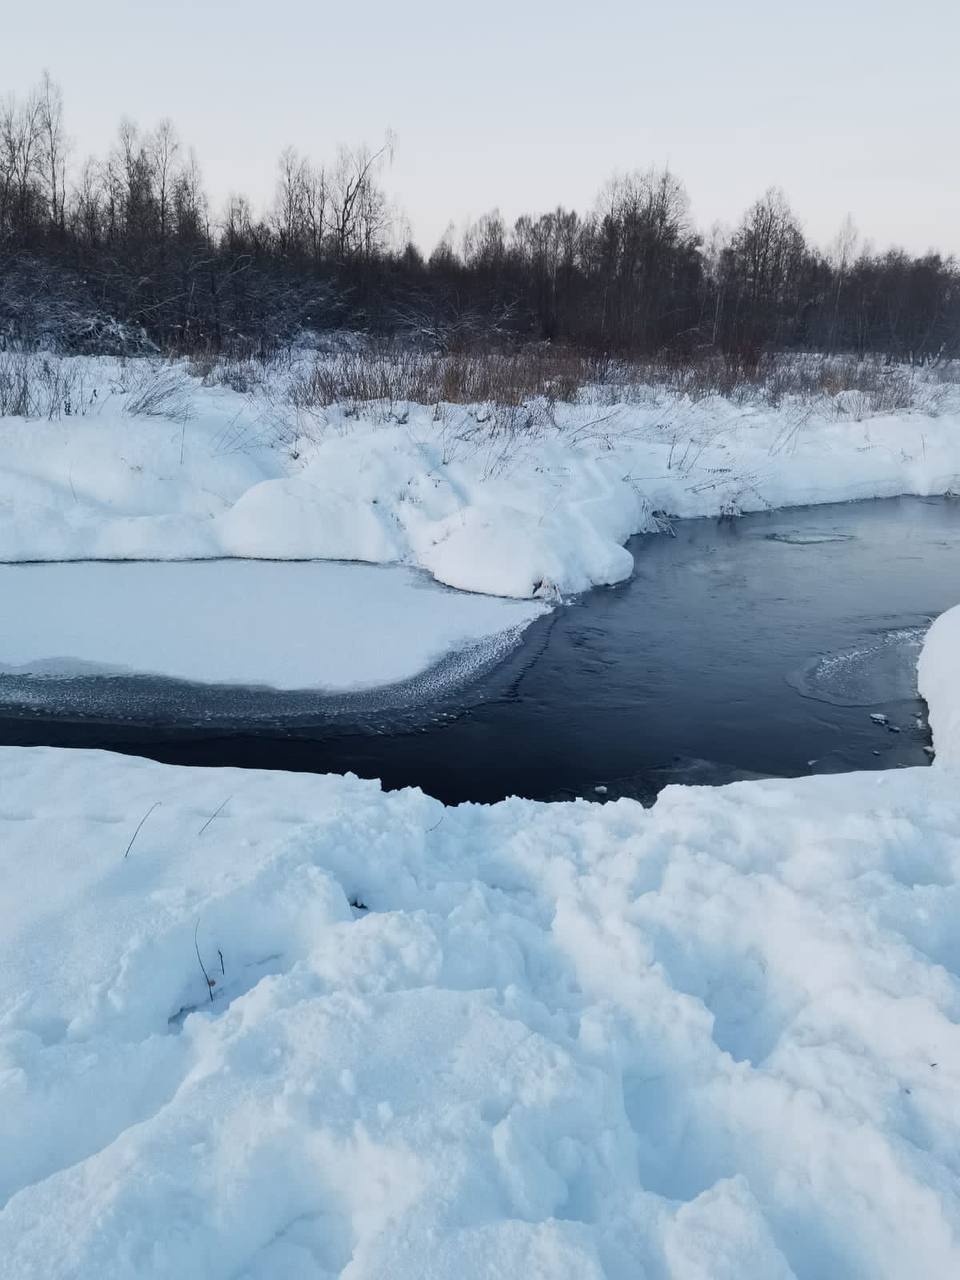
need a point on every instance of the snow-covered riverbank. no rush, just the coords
(718, 1038)
(515, 503)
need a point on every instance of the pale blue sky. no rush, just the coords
(849, 106)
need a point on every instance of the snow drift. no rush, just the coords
(534, 504)
(938, 678)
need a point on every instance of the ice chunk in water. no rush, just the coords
(881, 669)
(809, 538)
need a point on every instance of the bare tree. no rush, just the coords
(767, 255)
(54, 149)
(162, 147)
(359, 213)
(21, 142)
(841, 254)
(189, 202)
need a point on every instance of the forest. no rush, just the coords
(126, 252)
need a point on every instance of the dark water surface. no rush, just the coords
(738, 649)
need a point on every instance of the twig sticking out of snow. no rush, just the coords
(155, 805)
(216, 813)
(211, 982)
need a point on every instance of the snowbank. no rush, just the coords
(938, 678)
(287, 626)
(539, 504)
(716, 1039)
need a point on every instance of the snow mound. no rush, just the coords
(938, 678)
(269, 1025)
(536, 505)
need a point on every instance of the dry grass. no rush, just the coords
(156, 391)
(52, 387)
(509, 379)
(241, 373)
(513, 379)
(41, 387)
(510, 388)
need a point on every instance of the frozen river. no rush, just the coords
(761, 646)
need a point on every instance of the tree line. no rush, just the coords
(126, 250)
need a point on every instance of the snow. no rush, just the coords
(718, 1039)
(269, 1026)
(532, 503)
(288, 626)
(938, 678)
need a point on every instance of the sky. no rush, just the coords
(849, 106)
